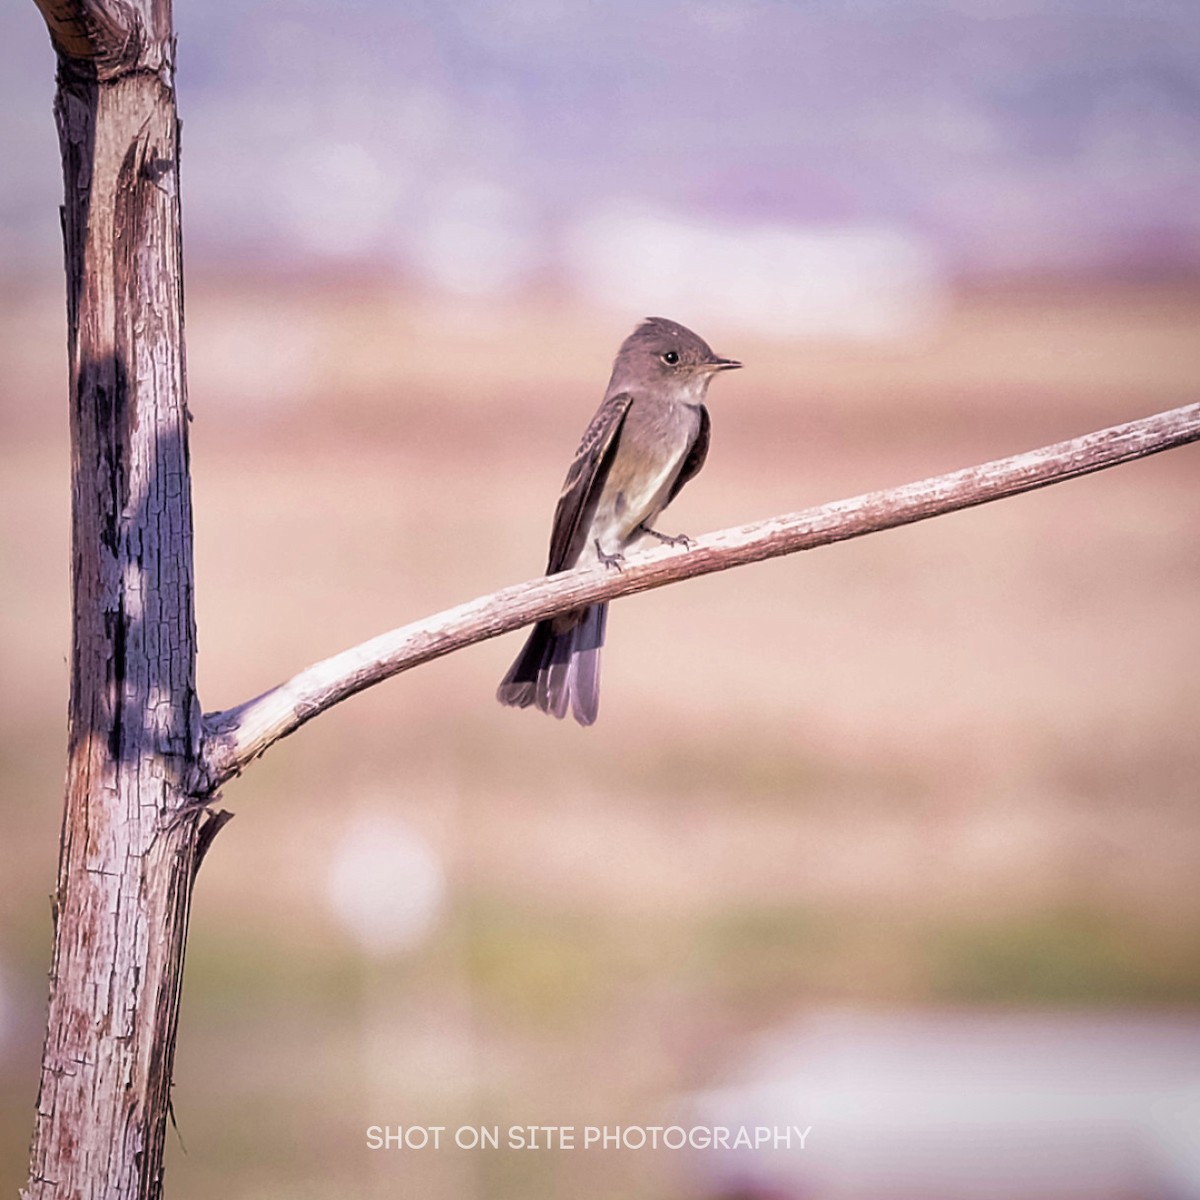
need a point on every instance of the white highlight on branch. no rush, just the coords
(236, 736)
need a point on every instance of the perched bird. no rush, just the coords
(648, 438)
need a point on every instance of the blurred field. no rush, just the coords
(953, 765)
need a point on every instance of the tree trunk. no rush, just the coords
(130, 823)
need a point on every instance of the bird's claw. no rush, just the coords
(670, 539)
(609, 560)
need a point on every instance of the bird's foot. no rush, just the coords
(609, 560)
(669, 539)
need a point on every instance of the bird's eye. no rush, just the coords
(670, 358)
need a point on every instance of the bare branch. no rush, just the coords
(238, 735)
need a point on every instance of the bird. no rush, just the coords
(648, 438)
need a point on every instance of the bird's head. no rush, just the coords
(663, 354)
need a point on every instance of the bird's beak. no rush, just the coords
(723, 364)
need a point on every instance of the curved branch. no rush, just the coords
(238, 735)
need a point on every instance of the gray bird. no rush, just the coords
(648, 438)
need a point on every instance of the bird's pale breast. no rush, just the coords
(654, 442)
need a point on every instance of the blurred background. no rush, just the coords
(898, 839)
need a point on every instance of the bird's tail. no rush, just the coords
(559, 669)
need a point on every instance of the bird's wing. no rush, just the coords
(585, 479)
(694, 460)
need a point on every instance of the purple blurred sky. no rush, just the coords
(482, 147)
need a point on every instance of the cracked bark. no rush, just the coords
(130, 827)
